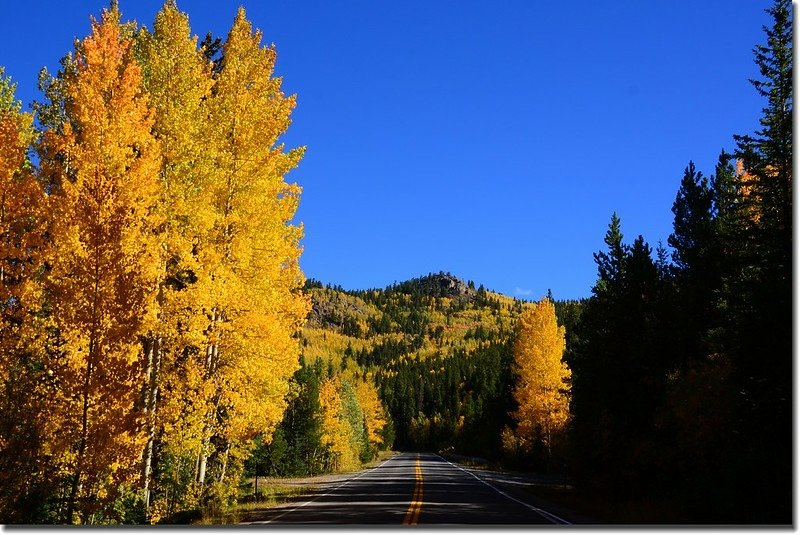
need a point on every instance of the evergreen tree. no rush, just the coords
(618, 369)
(760, 337)
(695, 265)
(303, 424)
(295, 448)
(767, 155)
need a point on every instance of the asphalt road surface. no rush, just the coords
(417, 488)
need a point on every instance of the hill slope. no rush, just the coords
(438, 348)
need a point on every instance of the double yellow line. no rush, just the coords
(414, 508)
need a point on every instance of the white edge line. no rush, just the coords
(549, 516)
(343, 483)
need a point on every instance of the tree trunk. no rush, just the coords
(84, 438)
(212, 356)
(152, 376)
(224, 462)
(202, 459)
(76, 477)
(201, 465)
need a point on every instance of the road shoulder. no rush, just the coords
(525, 487)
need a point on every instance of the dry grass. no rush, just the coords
(275, 491)
(269, 495)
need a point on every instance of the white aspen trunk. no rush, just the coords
(224, 462)
(151, 405)
(147, 345)
(212, 354)
(202, 460)
(201, 466)
(209, 353)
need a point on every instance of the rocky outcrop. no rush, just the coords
(335, 310)
(438, 285)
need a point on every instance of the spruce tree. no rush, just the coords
(760, 340)
(695, 273)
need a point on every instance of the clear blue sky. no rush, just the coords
(489, 139)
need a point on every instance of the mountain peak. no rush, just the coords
(437, 285)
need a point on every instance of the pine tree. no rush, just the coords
(610, 265)
(619, 366)
(696, 269)
(760, 338)
(767, 162)
(303, 423)
(767, 155)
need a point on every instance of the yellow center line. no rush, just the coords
(414, 508)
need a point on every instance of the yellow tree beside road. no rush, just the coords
(150, 287)
(541, 391)
(249, 259)
(337, 434)
(104, 163)
(178, 80)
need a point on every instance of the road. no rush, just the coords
(413, 488)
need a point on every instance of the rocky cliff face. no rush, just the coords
(438, 285)
(335, 310)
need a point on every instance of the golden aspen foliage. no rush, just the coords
(337, 434)
(157, 240)
(21, 218)
(375, 416)
(105, 264)
(26, 386)
(250, 276)
(543, 404)
(178, 81)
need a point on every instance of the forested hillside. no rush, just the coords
(438, 348)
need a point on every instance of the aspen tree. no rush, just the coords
(178, 81)
(337, 436)
(21, 217)
(24, 399)
(374, 412)
(250, 272)
(540, 391)
(105, 263)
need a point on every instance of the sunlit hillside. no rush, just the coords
(414, 320)
(437, 347)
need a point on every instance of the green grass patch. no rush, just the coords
(269, 495)
(382, 456)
